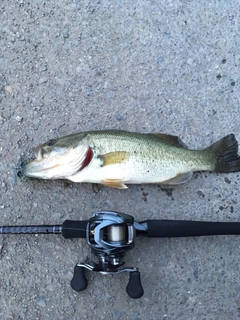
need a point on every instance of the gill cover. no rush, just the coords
(60, 158)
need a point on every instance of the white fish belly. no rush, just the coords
(131, 172)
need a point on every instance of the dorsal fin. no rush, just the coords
(170, 139)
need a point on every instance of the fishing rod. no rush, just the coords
(110, 234)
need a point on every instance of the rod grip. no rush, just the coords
(74, 229)
(184, 228)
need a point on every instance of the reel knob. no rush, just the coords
(79, 280)
(134, 287)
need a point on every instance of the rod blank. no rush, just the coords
(38, 229)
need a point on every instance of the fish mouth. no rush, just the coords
(20, 167)
(57, 165)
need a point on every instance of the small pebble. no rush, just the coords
(160, 59)
(9, 89)
(41, 302)
(65, 33)
(119, 117)
(19, 119)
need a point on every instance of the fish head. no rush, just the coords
(60, 158)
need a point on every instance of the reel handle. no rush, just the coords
(134, 288)
(79, 281)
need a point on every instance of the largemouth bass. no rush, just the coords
(116, 158)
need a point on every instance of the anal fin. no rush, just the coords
(115, 183)
(179, 179)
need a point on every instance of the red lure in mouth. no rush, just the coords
(88, 159)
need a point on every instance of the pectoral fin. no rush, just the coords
(115, 183)
(114, 157)
(180, 178)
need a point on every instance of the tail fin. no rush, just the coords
(226, 153)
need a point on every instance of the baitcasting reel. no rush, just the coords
(110, 235)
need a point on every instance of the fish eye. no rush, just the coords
(51, 142)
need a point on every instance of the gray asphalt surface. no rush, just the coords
(146, 66)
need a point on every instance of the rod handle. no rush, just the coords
(184, 228)
(74, 229)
